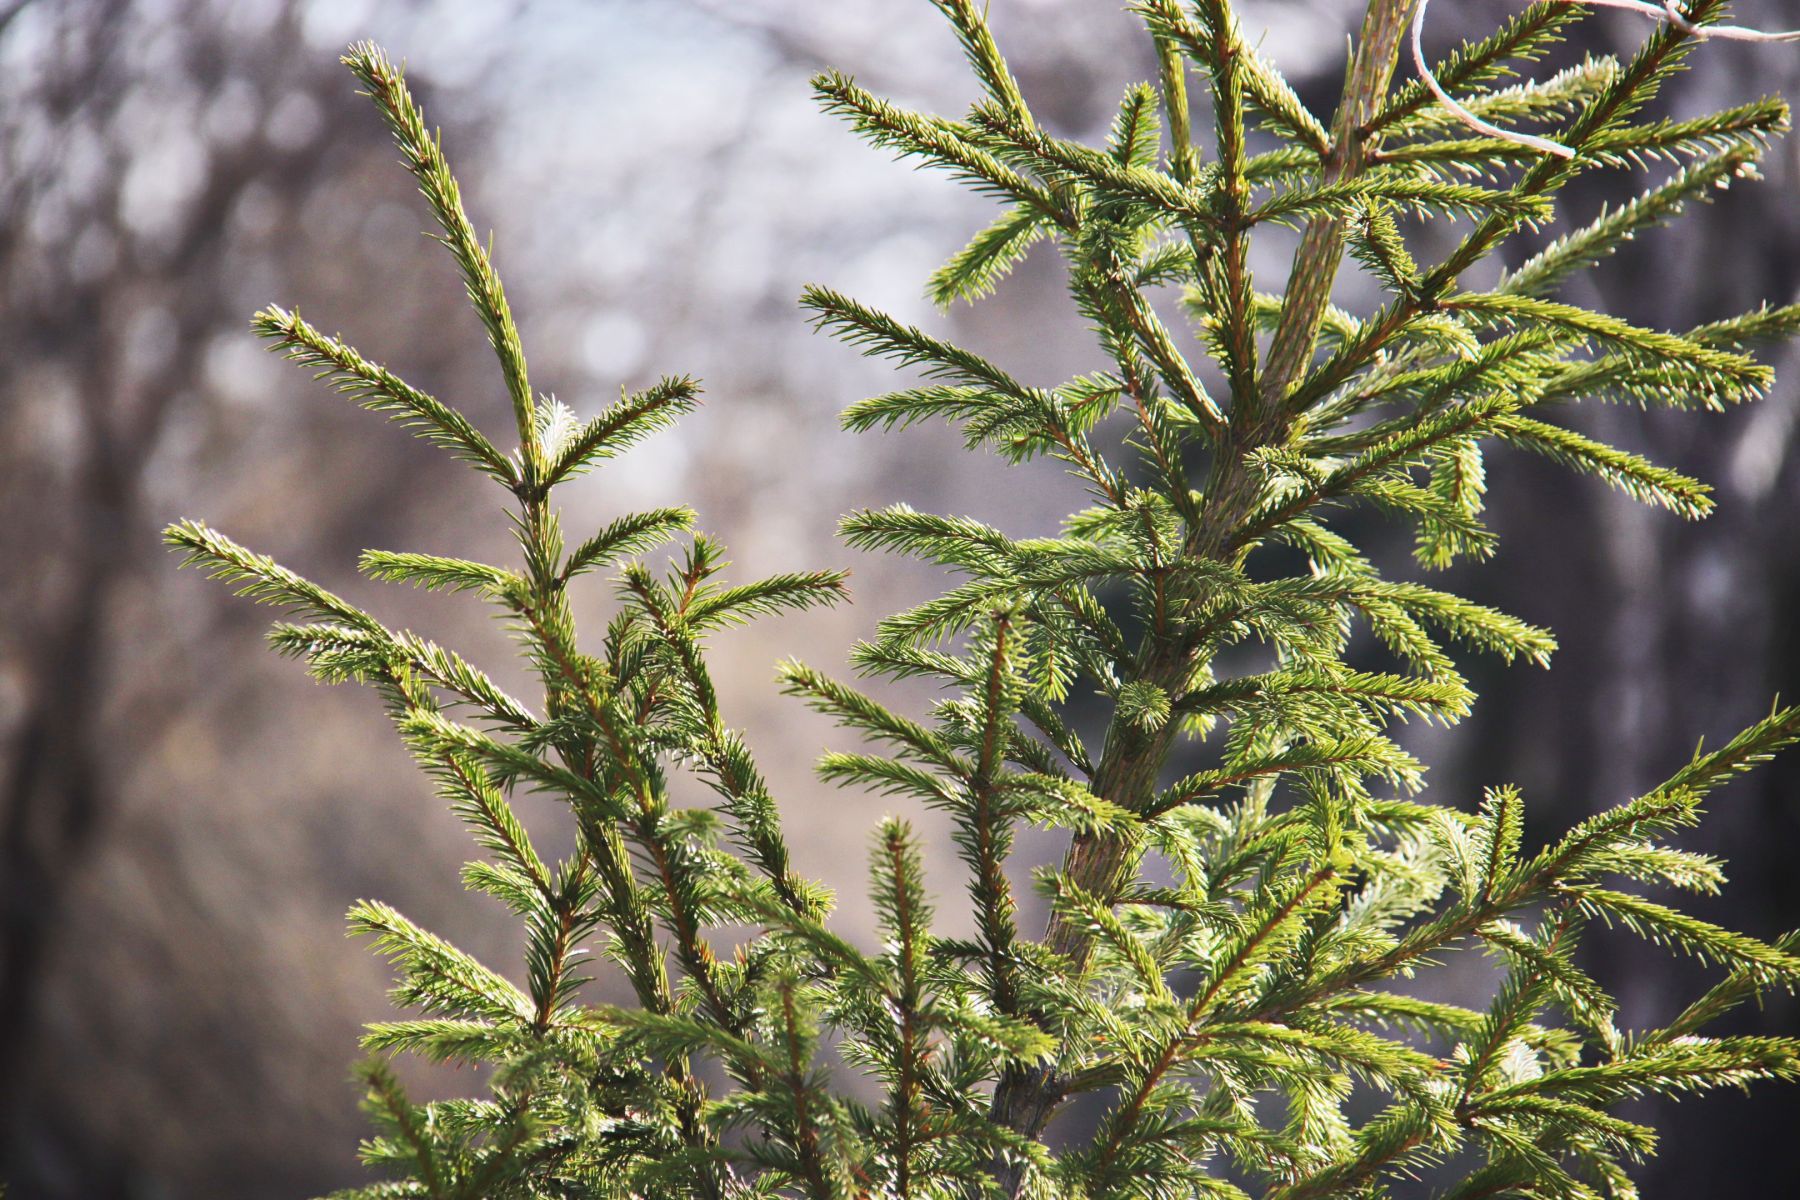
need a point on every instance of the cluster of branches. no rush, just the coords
(1233, 1029)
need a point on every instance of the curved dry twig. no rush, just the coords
(1668, 10)
(1461, 112)
(1672, 11)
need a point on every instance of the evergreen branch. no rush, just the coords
(1367, 755)
(796, 591)
(1063, 162)
(380, 390)
(647, 818)
(1498, 836)
(1762, 323)
(1232, 290)
(554, 930)
(1689, 1064)
(1284, 165)
(878, 334)
(1463, 157)
(1390, 1064)
(1263, 85)
(1515, 362)
(1369, 473)
(940, 143)
(442, 1040)
(1259, 967)
(970, 24)
(1359, 350)
(1020, 408)
(386, 1102)
(961, 543)
(1396, 1008)
(423, 154)
(1583, 848)
(628, 537)
(1254, 944)
(805, 1130)
(937, 621)
(1154, 337)
(436, 976)
(1631, 378)
(1632, 474)
(1541, 966)
(1704, 940)
(337, 653)
(886, 776)
(899, 898)
(1556, 96)
(1401, 1131)
(264, 580)
(977, 269)
(987, 415)
(437, 736)
(1751, 747)
(676, 1036)
(1630, 90)
(1135, 135)
(858, 711)
(1338, 199)
(1667, 351)
(986, 836)
(630, 420)
(731, 770)
(1377, 244)
(483, 806)
(1564, 1118)
(1105, 925)
(1740, 129)
(903, 661)
(1390, 694)
(1601, 237)
(436, 574)
(1475, 624)
(1723, 996)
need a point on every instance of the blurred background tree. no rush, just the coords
(178, 840)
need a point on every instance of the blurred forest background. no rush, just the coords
(184, 819)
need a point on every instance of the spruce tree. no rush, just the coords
(1236, 1021)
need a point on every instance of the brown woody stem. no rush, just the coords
(1322, 246)
(1100, 864)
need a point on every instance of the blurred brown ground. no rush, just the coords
(184, 819)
